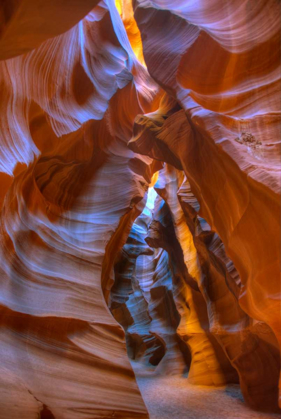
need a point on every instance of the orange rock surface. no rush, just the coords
(139, 202)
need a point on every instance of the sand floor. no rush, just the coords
(174, 398)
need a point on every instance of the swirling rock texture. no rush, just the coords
(60, 345)
(96, 253)
(243, 340)
(220, 123)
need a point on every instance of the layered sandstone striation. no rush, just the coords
(140, 202)
(68, 209)
(220, 123)
(243, 340)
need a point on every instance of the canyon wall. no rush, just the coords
(67, 210)
(220, 123)
(140, 202)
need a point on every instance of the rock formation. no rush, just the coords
(140, 202)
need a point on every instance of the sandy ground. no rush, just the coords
(174, 398)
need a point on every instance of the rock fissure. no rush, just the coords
(139, 207)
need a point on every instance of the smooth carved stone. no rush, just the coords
(209, 365)
(66, 215)
(95, 98)
(150, 319)
(229, 325)
(25, 24)
(227, 84)
(234, 205)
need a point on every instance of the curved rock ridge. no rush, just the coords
(173, 137)
(226, 136)
(197, 288)
(244, 340)
(139, 202)
(66, 145)
(71, 77)
(209, 365)
(142, 301)
(56, 221)
(25, 24)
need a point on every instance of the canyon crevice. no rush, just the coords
(140, 203)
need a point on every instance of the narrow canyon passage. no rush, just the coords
(140, 197)
(178, 360)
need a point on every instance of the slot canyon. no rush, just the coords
(140, 209)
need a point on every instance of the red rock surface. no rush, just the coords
(102, 259)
